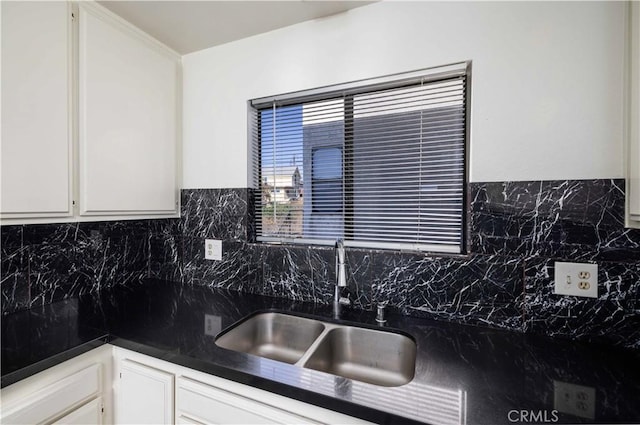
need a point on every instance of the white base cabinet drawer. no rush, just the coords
(75, 391)
(90, 413)
(206, 404)
(54, 400)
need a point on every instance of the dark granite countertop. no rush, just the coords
(37, 339)
(464, 374)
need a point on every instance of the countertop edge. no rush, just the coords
(32, 369)
(305, 396)
(265, 384)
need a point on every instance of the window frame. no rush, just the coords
(393, 81)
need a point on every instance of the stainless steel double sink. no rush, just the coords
(377, 357)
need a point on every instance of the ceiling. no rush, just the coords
(187, 26)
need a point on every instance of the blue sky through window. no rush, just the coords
(288, 136)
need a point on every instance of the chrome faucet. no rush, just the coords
(341, 276)
(341, 280)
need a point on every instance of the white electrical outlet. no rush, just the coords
(213, 249)
(579, 279)
(574, 399)
(212, 324)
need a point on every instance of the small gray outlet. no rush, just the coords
(212, 324)
(574, 399)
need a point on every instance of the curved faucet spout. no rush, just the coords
(341, 276)
(341, 280)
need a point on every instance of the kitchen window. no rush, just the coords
(380, 163)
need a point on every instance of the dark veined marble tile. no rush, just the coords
(116, 229)
(66, 259)
(483, 278)
(359, 264)
(229, 273)
(215, 213)
(482, 290)
(165, 227)
(500, 316)
(70, 233)
(37, 234)
(581, 201)
(256, 254)
(130, 255)
(391, 276)
(320, 262)
(575, 252)
(15, 292)
(618, 244)
(584, 218)
(612, 318)
(250, 216)
(298, 273)
(165, 257)
(550, 364)
(54, 269)
(11, 235)
(71, 267)
(14, 259)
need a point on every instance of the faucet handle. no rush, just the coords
(380, 313)
(345, 296)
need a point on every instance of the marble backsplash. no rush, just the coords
(517, 231)
(46, 262)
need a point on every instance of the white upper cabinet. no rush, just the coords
(128, 127)
(36, 109)
(633, 151)
(90, 116)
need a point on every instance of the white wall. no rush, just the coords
(546, 95)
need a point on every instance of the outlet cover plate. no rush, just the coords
(212, 324)
(578, 279)
(213, 249)
(576, 400)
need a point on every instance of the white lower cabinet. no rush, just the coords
(73, 392)
(145, 394)
(113, 385)
(201, 398)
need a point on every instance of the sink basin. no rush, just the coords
(275, 336)
(377, 357)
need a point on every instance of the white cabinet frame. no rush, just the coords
(632, 128)
(129, 89)
(24, 170)
(77, 209)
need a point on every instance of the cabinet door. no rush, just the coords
(36, 110)
(128, 118)
(144, 395)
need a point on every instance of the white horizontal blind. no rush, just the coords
(379, 166)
